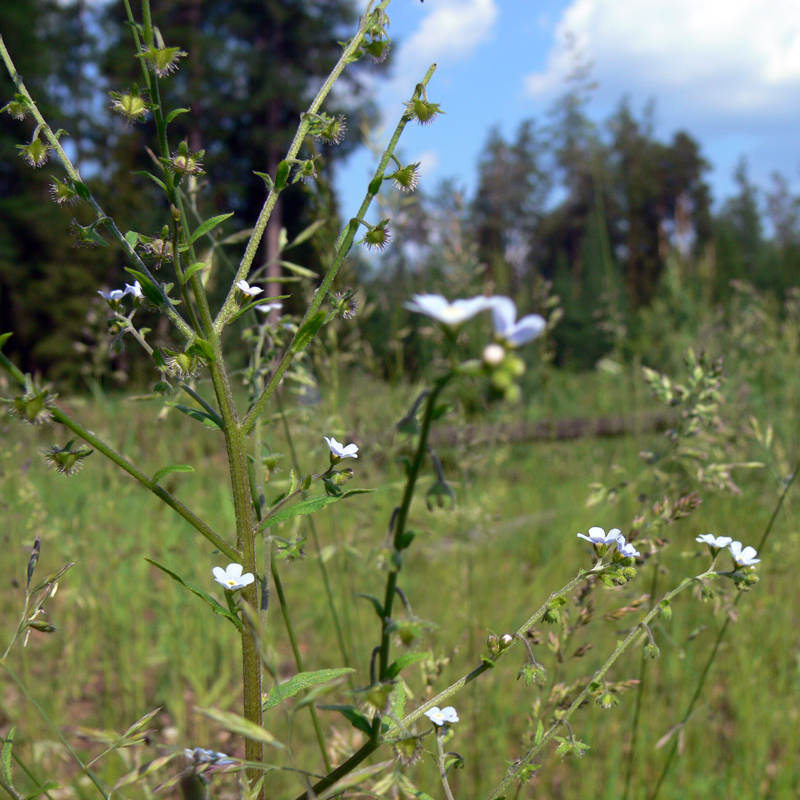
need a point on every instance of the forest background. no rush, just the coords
(601, 227)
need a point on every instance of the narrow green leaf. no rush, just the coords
(157, 181)
(174, 113)
(240, 726)
(309, 506)
(5, 758)
(209, 225)
(207, 419)
(216, 607)
(298, 270)
(4, 338)
(141, 772)
(306, 233)
(149, 289)
(302, 680)
(196, 267)
(201, 347)
(49, 786)
(170, 469)
(375, 602)
(82, 190)
(52, 577)
(405, 660)
(308, 331)
(281, 175)
(354, 715)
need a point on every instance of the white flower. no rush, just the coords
(441, 716)
(455, 313)
(113, 295)
(245, 288)
(493, 354)
(267, 307)
(135, 290)
(715, 542)
(599, 536)
(626, 550)
(340, 450)
(743, 556)
(504, 315)
(231, 577)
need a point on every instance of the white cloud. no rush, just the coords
(428, 162)
(718, 62)
(449, 32)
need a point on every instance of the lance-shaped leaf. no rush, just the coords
(217, 607)
(141, 772)
(170, 469)
(240, 726)
(308, 331)
(308, 506)
(401, 663)
(354, 715)
(303, 680)
(207, 226)
(211, 421)
(174, 113)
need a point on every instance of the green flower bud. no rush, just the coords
(378, 236)
(36, 153)
(533, 673)
(19, 107)
(133, 105)
(607, 700)
(406, 178)
(162, 60)
(65, 460)
(63, 193)
(651, 650)
(423, 111)
(408, 750)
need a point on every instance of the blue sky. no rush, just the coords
(727, 71)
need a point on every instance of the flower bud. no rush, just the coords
(132, 105)
(408, 750)
(65, 460)
(36, 153)
(423, 111)
(19, 107)
(493, 643)
(651, 650)
(493, 355)
(162, 60)
(63, 193)
(607, 700)
(505, 641)
(34, 407)
(378, 236)
(406, 178)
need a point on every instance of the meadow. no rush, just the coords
(130, 640)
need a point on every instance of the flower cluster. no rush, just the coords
(742, 556)
(603, 541)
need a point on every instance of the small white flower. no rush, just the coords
(340, 450)
(743, 556)
(504, 315)
(231, 577)
(453, 314)
(715, 542)
(245, 288)
(135, 290)
(626, 550)
(114, 295)
(599, 536)
(267, 307)
(442, 716)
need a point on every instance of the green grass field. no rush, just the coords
(130, 640)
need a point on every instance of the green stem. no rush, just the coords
(320, 561)
(720, 636)
(99, 785)
(294, 149)
(122, 462)
(298, 660)
(639, 700)
(402, 518)
(74, 174)
(346, 241)
(517, 766)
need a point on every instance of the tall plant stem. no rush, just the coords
(298, 660)
(402, 518)
(720, 636)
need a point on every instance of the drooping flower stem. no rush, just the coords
(402, 515)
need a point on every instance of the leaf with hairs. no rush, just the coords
(302, 680)
(308, 506)
(239, 725)
(208, 225)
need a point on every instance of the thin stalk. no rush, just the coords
(320, 561)
(346, 241)
(442, 770)
(75, 175)
(100, 786)
(109, 452)
(720, 636)
(298, 660)
(291, 155)
(639, 700)
(517, 766)
(402, 516)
